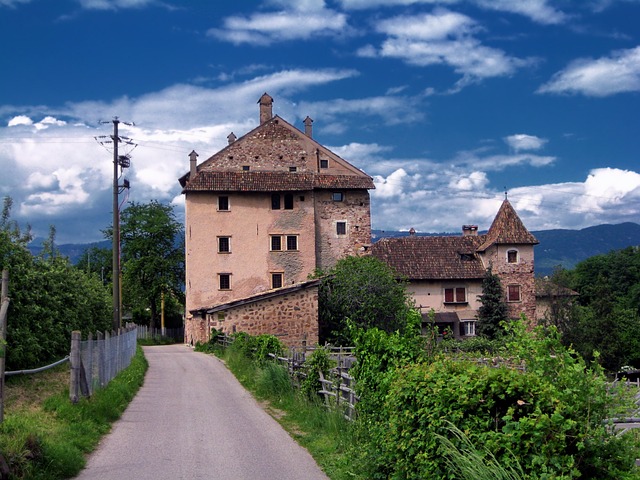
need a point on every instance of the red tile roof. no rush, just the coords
(453, 257)
(432, 258)
(507, 228)
(265, 181)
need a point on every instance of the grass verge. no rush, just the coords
(324, 433)
(44, 436)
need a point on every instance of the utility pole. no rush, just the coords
(122, 161)
(115, 241)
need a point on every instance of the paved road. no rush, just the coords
(192, 419)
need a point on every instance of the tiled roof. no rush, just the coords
(432, 258)
(507, 228)
(546, 288)
(265, 181)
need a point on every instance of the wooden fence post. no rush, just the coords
(4, 309)
(74, 357)
(101, 362)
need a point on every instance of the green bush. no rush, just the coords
(317, 362)
(539, 408)
(256, 347)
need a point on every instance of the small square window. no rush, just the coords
(224, 244)
(288, 201)
(292, 242)
(512, 256)
(276, 243)
(293, 169)
(223, 203)
(246, 168)
(513, 293)
(224, 280)
(324, 163)
(276, 280)
(337, 196)
(341, 228)
(221, 317)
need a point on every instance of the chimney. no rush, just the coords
(469, 230)
(412, 232)
(308, 129)
(266, 102)
(231, 138)
(192, 161)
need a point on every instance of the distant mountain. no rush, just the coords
(569, 247)
(565, 247)
(557, 247)
(71, 250)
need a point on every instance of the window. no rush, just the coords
(293, 169)
(288, 201)
(341, 228)
(276, 280)
(276, 243)
(324, 163)
(337, 196)
(292, 242)
(224, 281)
(224, 244)
(468, 328)
(246, 168)
(223, 203)
(275, 201)
(455, 295)
(221, 317)
(512, 256)
(513, 293)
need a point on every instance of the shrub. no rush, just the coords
(317, 362)
(547, 418)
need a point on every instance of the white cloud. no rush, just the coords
(306, 20)
(393, 110)
(522, 141)
(618, 73)
(538, 11)
(13, 3)
(20, 120)
(115, 4)
(443, 38)
(474, 181)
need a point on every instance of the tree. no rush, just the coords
(152, 259)
(49, 299)
(493, 308)
(364, 290)
(97, 261)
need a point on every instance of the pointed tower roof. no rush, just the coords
(507, 228)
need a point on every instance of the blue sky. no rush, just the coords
(446, 103)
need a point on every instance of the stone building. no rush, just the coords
(445, 273)
(261, 215)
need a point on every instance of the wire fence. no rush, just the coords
(147, 333)
(96, 361)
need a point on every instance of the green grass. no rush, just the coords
(46, 437)
(324, 433)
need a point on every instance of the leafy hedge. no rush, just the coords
(545, 417)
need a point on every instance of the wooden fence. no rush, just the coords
(4, 309)
(338, 388)
(95, 361)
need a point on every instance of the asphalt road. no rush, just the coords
(192, 419)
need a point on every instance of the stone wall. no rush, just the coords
(292, 316)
